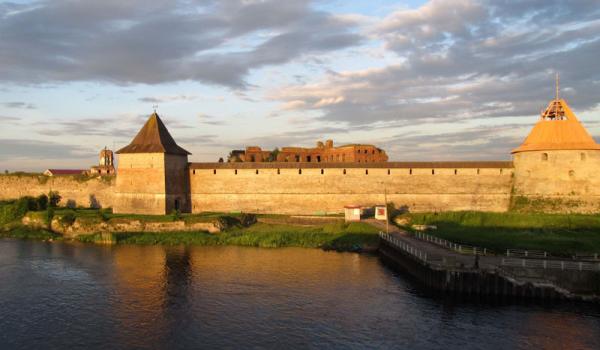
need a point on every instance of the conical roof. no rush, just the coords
(558, 129)
(153, 138)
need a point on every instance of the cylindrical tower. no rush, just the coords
(559, 160)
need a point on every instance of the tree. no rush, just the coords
(273, 155)
(53, 199)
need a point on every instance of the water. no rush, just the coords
(55, 295)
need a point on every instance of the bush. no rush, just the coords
(247, 219)
(54, 198)
(42, 202)
(49, 216)
(67, 219)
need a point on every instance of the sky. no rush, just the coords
(424, 80)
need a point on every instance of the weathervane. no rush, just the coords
(155, 107)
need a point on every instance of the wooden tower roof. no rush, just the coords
(153, 138)
(558, 129)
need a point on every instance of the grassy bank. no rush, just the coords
(343, 237)
(561, 235)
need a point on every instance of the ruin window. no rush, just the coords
(544, 156)
(278, 171)
(256, 171)
(571, 173)
(308, 159)
(389, 172)
(299, 171)
(366, 171)
(322, 172)
(366, 151)
(297, 158)
(252, 158)
(582, 155)
(343, 157)
(344, 172)
(373, 152)
(318, 159)
(455, 171)
(214, 171)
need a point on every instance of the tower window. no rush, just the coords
(299, 171)
(322, 171)
(410, 172)
(389, 172)
(478, 171)
(582, 155)
(214, 171)
(571, 173)
(194, 171)
(432, 171)
(344, 171)
(278, 171)
(455, 171)
(256, 171)
(544, 156)
(235, 171)
(366, 171)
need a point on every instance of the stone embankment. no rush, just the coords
(79, 227)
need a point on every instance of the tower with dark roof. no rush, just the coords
(152, 173)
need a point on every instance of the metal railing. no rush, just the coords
(550, 264)
(409, 249)
(592, 257)
(535, 254)
(460, 248)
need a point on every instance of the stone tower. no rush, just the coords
(106, 158)
(559, 159)
(152, 175)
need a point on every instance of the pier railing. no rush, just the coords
(459, 248)
(407, 248)
(550, 264)
(520, 253)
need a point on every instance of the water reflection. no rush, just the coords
(188, 297)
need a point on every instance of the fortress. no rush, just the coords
(555, 170)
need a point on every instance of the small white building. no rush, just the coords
(352, 213)
(381, 212)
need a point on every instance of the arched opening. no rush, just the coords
(432, 171)
(571, 173)
(278, 171)
(256, 171)
(214, 171)
(455, 172)
(344, 172)
(366, 171)
(322, 171)
(299, 171)
(544, 156)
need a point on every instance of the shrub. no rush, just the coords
(53, 199)
(42, 202)
(67, 219)
(247, 219)
(49, 216)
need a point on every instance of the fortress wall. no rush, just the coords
(82, 193)
(308, 191)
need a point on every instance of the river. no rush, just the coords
(65, 296)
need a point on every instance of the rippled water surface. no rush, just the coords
(55, 295)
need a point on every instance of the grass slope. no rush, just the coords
(561, 235)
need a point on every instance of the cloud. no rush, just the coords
(12, 149)
(211, 120)
(171, 98)
(122, 42)
(464, 60)
(20, 105)
(11, 120)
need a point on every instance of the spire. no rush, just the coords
(153, 138)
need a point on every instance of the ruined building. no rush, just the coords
(106, 165)
(323, 153)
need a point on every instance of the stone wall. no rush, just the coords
(563, 180)
(310, 189)
(97, 192)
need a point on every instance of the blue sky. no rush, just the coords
(425, 80)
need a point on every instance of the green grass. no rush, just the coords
(23, 232)
(343, 237)
(561, 235)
